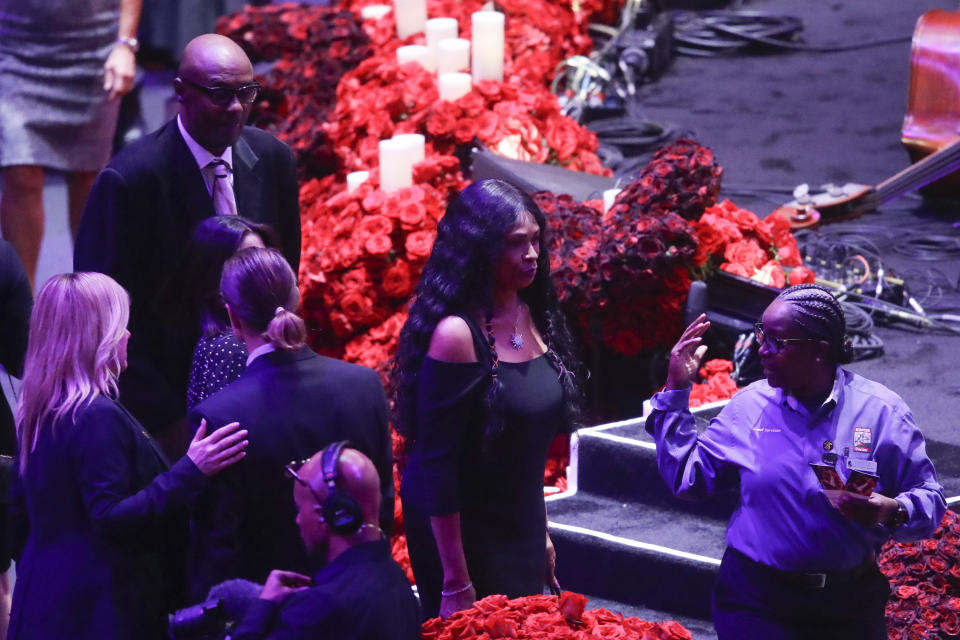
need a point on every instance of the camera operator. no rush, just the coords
(360, 593)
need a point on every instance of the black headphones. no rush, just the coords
(340, 510)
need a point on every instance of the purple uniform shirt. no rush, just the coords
(768, 439)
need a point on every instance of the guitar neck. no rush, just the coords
(919, 174)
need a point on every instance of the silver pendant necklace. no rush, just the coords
(516, 338)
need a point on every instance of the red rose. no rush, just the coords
(561, 135)
(572, 605)
(356, 307)
(949, 624)
(672, 630)
(747, 253)
(412, 215)
(418, 244)
(442, 121)
(891, 569)
(499, 625)
(789, 254)
(905, 592)
(471, 104)
(396, 280)
(937, 564)
(487, 126)
(955, 572)
(801, 275)
(953, 604)
(378, 245)
(355, 279)
(465, 131)
(374, 200)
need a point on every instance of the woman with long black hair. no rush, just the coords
(483, 381)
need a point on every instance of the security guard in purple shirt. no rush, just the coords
(800, 559)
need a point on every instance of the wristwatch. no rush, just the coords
(132, 43)
(898, 519)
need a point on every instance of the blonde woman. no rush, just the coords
(103, 507)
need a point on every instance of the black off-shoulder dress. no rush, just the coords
(498, 489)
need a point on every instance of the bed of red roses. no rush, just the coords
(925, 584)
(546, 618)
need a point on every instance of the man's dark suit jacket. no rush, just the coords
(293, 404)
(107, 530)
(361, 595)
(16, 301)
(140, 213)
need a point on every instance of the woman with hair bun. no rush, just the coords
(294, 403)
(194, 304)
(105, 514)
(483, 384)
(831, 465)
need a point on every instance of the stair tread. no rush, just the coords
(642, 523)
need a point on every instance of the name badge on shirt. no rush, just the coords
(866, 466)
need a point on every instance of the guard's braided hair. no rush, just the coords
(820, 314)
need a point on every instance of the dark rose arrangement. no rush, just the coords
(622, 276)
(546, 618)
(925, 584)
(682, 178)
(312, 47)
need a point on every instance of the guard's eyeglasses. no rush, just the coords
(776, 345)
(223, 96)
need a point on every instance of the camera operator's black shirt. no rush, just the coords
(362, 595)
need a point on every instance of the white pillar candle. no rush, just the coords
(439, 29)
(416, 146)
(395, 168)
(355, 179)
(414, 53)
(453, 55)
(411, 16)
(608, 198)
(454, 85)
(487, 39)
(375, 11)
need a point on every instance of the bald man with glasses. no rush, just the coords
(146, 202)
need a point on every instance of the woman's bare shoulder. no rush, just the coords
(452, 341)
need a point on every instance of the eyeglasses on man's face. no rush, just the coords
(292, 470)
(776, 345)
(223, 96)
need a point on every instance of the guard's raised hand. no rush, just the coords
(686, 355)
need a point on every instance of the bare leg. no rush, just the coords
(21, 213)
(78, 187)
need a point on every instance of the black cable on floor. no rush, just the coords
(929, 247)
(713, 33)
